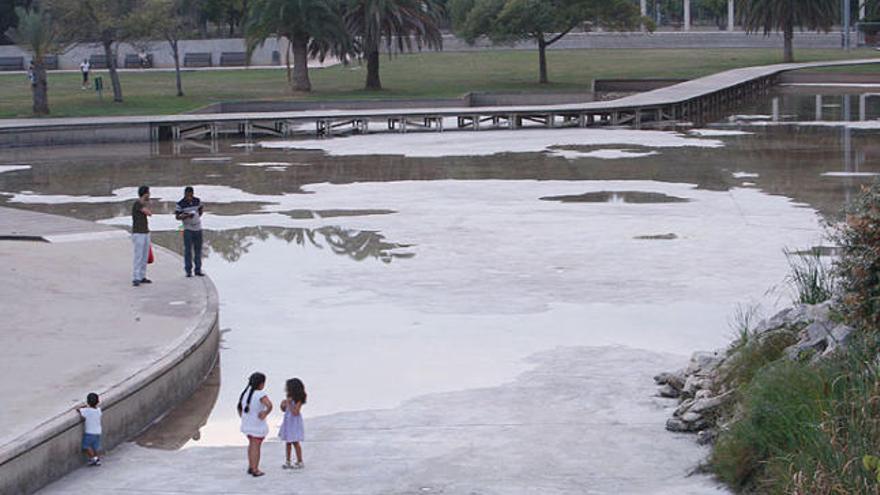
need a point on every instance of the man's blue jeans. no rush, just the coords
(192, 250)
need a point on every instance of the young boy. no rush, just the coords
(91, 442)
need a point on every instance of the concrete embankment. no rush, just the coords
(72, 324)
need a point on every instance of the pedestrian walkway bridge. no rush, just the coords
(697, 101)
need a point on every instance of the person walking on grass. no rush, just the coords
(253, 407)
(140, 236)
(85, 67)
(292, 432)
(91, 440)
(189, 210)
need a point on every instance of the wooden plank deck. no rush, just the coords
(681, 100)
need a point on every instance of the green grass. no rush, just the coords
(422, 75)
(805, 428)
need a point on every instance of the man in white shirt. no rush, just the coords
(84, 67)
(91, 441)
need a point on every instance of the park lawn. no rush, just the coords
(420, 75)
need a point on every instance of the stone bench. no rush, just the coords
(133, 61)
(11, 63)
(98, 61)
(50, 62)
(197, 60)
(233, 59)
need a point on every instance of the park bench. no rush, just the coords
(133, 61)
(233, 59)
(98, 61)
(197, 60)
(50, 62)
(11, 63)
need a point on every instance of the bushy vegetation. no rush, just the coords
(811, 426)
(859, 264)
(810, 277)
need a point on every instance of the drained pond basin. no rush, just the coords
(470, 312)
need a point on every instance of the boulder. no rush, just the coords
(703, 363)
(669, 392)
(691, 417)
(683, 407)
(710, 403)
(818, 337)
(674, 379)
(839, 338)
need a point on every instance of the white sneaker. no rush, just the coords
(287, 465)
(298, 465)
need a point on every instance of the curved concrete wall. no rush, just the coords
(53, 449)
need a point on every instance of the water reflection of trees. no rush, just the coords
(358, 245)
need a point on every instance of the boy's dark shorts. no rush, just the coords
(91, 441)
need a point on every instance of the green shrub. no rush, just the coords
(858, 267)
(810, 278)
(806, 429)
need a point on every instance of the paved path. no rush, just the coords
(72, 323)
(535, 435)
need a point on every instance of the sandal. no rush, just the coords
(257, 474)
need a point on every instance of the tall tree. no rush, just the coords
(785, 16)
(544, 21)
(37, 33)
(401, 24)
(8, 17)
(102, 21)
(313, 28)
(170, 20)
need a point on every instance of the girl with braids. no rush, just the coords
(253, 407)
(292, 428)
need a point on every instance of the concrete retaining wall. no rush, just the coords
(53, 449)
(76, 135)
(468, 100)
(636, 40)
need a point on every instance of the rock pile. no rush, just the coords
(703, 389)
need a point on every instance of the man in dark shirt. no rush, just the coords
(140, 236)
(189, 210)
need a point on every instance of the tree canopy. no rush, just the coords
(768, 16)
(400, 24)
(544, 21)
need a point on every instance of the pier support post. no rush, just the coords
(819, 107)
(863, 107)
(776, 109)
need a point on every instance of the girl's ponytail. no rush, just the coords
(256, 380)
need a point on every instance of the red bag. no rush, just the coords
(150, 257)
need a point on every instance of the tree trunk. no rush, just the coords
(373, 81)
(176, 52)
(542, 60)
(114, 75)
(788, 50)
(39, 88)
(301, 64)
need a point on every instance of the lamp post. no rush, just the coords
(730, 15)
(846, 24)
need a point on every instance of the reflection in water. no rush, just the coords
(638, 197)
(184, 422)
(358, 245)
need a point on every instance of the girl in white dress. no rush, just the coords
(253, 407)
(292, 432)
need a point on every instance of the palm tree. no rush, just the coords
(36, 32)
(785, 16)
(313, 28)
(401, 23)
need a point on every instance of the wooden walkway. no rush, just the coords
(694, 101)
